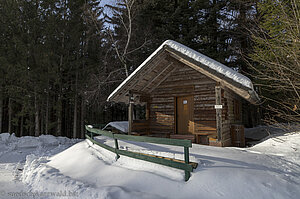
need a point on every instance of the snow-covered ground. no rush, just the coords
(270, 169)
(13, 154)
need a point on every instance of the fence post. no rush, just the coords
(92, 136)
(187, 161)
(116, 149)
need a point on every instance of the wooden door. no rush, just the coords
(185, 110)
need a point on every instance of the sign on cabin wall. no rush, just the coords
(218, 106)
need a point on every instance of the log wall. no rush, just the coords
(230, 102)
(140, 126)
(185, 81)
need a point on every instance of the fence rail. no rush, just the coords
(185, 165)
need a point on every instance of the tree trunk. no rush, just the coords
(30, 126)
(59, 100)
(47, 115)
(82, 118)
(59, 115)
(47, 110)
(9, 115)
(21, 126)
(42, 116)
(75, 119)
(1, 110)
(37, 116)
(75, 108)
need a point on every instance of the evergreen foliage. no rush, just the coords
(217, 28)
(59, 59)
(45, 50)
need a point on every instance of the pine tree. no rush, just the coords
(47, 53)
(215, 28)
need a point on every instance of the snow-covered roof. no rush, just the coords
(213, 65)
(120, 125)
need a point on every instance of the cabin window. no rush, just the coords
(140, 112)
(237, 110)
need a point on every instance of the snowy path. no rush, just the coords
(13, 153)
(9, 181)
(10, 169)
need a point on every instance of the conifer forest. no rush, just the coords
(60, 59)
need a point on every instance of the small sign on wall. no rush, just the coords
(219, 106)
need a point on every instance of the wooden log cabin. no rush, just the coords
(186, 95)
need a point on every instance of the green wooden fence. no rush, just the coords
(185, 165)
(99, 126)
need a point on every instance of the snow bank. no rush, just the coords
(15, 149)
(5, 137)
(286, 145)
(44, 177)
(120, 125)
(31, 153)
(263, 131)
(29, 141)
(92, 172)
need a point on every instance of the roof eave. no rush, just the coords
(249, 94)
(138, 70)
(254, 98)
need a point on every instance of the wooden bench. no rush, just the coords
(193, 164)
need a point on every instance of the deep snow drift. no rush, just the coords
(13, 154)
(270, 169)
